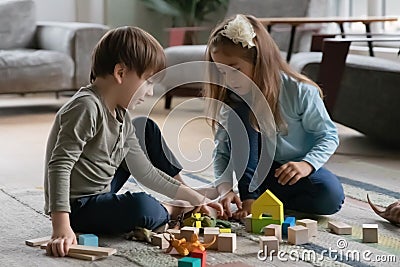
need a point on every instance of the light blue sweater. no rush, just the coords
(311, 136)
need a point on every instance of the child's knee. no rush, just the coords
(330, 200)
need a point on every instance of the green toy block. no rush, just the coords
(88, 240)
(189, 262)
(257, 225)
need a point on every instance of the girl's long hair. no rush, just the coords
(268, 68)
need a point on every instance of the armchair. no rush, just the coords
(43, 56)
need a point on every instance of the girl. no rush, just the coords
(93, 148)
(306, 137)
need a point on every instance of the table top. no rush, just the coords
(305, 20)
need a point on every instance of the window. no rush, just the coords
(357, 8)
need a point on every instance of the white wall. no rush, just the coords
(56, 10)
(70, 10)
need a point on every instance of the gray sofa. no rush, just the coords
(43, 56)
(368, 94)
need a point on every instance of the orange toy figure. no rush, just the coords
(195, 243)
(179, 244)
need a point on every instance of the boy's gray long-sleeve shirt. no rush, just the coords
(85, 147)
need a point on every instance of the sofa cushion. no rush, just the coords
(17, 23)
(27, 70)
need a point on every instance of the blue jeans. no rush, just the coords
(120, 213)
(319, 193)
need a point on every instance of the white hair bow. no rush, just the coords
(240, 30)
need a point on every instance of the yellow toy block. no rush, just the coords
(197, 216)
(268, 203)
(225, 230)
(198, 224)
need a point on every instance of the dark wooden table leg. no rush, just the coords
(368, 30)
(331, 70)
(291, 42)
(342, 30)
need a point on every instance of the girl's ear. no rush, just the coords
(119, 72)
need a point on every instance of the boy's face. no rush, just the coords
(134, 89)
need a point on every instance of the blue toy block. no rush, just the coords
(289, 221)
(88, 240)
(189, 262)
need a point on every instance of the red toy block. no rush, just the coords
(202, 255)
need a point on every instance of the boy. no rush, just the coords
(92, 148)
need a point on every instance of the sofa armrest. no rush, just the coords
(74, 39)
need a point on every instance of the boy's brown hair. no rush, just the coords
(131, 46)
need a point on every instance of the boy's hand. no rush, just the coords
(61, 240)
(245, 210)
(63, 236)
(226, 201)
(292, 172)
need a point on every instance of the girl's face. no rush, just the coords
(239, 76)
(135, 89)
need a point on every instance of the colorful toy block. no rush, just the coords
(270, 245)
(160, 241)
(227, 242)
(265, 210)
(370, 233)
(289, 221)
(311, 225)
(297, 235)
(273, 230)
(340, 228)
(202, 255)
(209, 233)
(269, 204)
(189, 262)
(187, 231)
(225, 230)
(88, 240)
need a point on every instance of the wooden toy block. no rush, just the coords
(37, 241)
(80, 256)
(175, 232)
(297, 235)
(370, 233)
(340, 228)
(209, 233)
(189, 262)
(227, 242)
(88, 240)
(247, 223)
(269, 204)
(160, 241)
(85, 257)
(257, 225)
(225, 230)
(270, 245)
(312, 226)
(187, 231)
(289, 221)
(202, 255)
(273, 230)
(97, 251)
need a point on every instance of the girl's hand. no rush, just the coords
(60, 242)
(245, 210)
(226, 201)
(292, 172)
